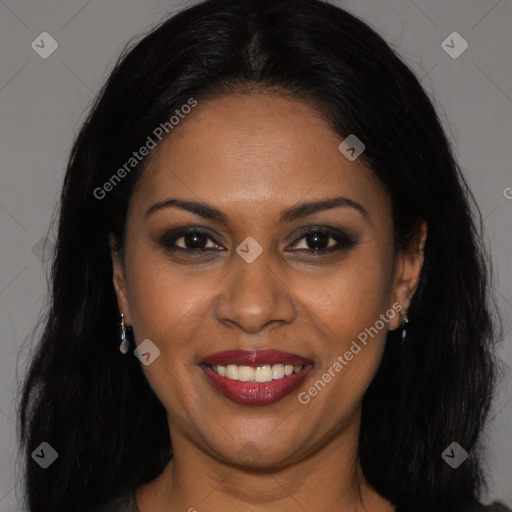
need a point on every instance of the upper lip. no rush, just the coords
(260, 357)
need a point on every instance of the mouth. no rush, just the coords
(255, 377)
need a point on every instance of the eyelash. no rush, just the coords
(344, 242)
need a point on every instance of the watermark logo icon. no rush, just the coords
(507, 192)
(352, 147)
(43, 249)
(249, 454)
(454, 455)
(249, 249)
(44, 45)
(45, 455)
(147, 352)
(454, 45)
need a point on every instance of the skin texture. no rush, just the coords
(252, 156)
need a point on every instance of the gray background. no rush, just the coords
(42, 102)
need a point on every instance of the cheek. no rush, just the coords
(353, 296)
(172, 306)
(161, 294)
(348, 305)
(167, 306)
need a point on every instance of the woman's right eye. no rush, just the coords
(190, 240)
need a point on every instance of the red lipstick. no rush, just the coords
(255, 393)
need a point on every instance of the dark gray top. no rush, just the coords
(127, 503)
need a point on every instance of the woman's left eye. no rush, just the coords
(320, 239)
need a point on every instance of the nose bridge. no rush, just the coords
(254, 295)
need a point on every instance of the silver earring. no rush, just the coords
(405, 321)
(125, 345)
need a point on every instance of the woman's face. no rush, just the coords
(258, 286)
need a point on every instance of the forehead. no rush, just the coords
(259, 149)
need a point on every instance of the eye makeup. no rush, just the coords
(200, 241)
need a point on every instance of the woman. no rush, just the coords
(269, 290)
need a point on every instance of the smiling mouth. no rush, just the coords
(265, 373)
(257, 377)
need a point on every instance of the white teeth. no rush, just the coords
(232, 371)
(264, 373)
(245, 373)
(278, 371)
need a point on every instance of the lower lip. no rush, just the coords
(256, 393)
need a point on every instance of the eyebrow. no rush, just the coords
(297, 211)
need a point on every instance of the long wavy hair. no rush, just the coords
(96, 408)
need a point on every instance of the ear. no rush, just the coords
(407, 272)
(119, 280)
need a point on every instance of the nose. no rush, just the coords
(254, 297)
